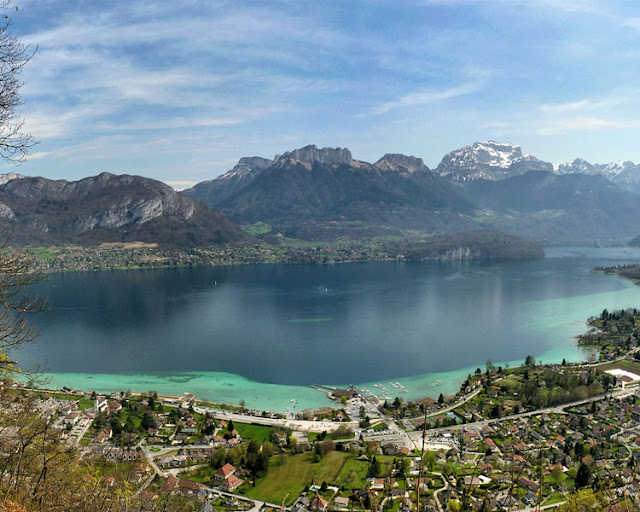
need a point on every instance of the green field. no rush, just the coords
(201, 475)
(258, 432)
(290, 473)
(259, 228)
(630, 366)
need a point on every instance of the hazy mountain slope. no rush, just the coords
(312, 185)
(110, 208)
(625, 174)
(548, 207)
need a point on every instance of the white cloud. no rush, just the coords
(616, 98)
(426, 96)
(38, 155)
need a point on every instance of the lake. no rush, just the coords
(264, 333)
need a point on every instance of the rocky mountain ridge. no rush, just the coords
(109, 208)
(319, 193)
(309, 187)
(488, 161)
(625, 174)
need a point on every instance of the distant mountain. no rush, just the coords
(625, 174)
(110, 208)
(402, 163)
(635, 242)
(309, 190)
(323, 193)
(551, 208)
(488, 161)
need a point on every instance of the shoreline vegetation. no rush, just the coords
(476, 246)
(630, 271)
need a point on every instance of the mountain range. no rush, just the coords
(319, 193)
(313, 193)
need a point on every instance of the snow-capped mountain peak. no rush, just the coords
(489, 160)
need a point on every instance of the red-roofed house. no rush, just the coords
(231, 483)
(225, 472)
(169, 484)
(319, 503)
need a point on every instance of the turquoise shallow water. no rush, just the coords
(557, 319)
(364, 325)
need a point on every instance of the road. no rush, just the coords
(300, 425)
(457, 404)
(438, 491)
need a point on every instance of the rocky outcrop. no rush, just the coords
(324, 156)
(213, 192)
(6, 212)
(8, 176)
(399, 162)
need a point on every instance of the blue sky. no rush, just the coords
(179, 91)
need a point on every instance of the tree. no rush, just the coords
(441, 399)
(148, 421)
(490, 366)
(16, 306)
(16, 267)
(14, 144)
(530, 360)
(374, 468)
(582, 476)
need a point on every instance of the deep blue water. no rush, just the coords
(303, 324)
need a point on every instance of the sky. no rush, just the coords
(179, 91)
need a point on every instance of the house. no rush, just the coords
(529, 484)
(188, 487)
(490, 444)
(169, 484)
(104, 435)
(224, 472)
(101, 404)
(231, 483)
(319, 503)
(172, 461)
(341, 502)
(72, 418)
